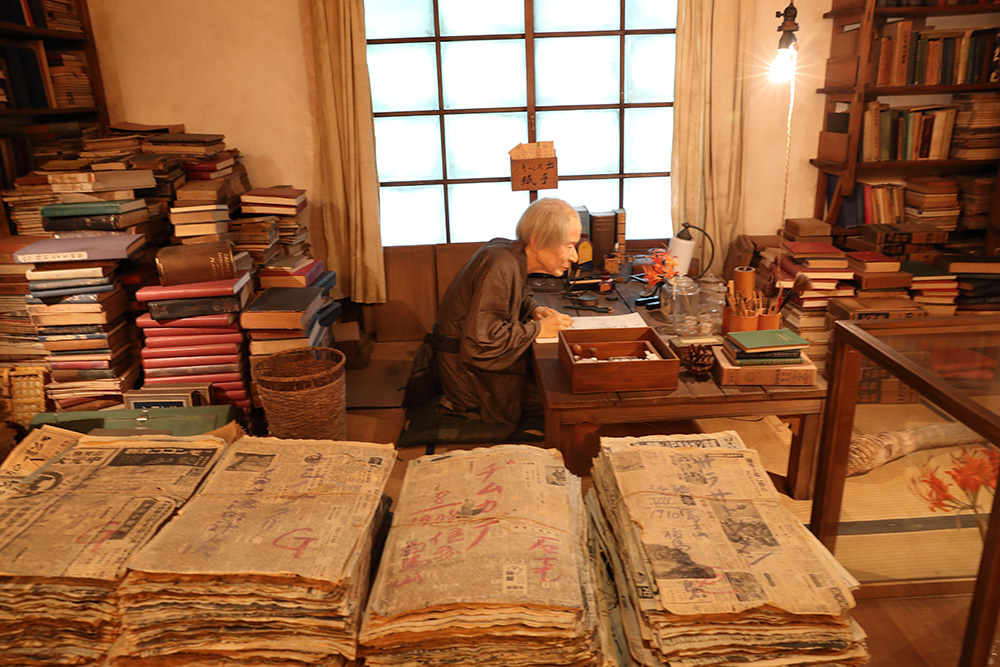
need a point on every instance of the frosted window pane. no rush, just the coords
(649, 62)
(586, 142)
(647, 208)
(648, 139)
(650, 14)
(477, 144)
(484, 74)
(386, 19)
(412, 215)
(576, 70)
(461, 17)
(483, 211)
(403, 77)
(408, 149)
(596, 195)
(552, 15)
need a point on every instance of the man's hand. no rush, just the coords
(552, 322)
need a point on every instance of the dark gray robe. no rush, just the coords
(487, 308)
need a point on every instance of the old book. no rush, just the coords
(794, 268)
(214, 378)
(773, 340)
(883, 279)
(102, 180)
(184, 217)
(225, 287)
(853, 308)
(106, 222)
(176, 308)
(602, 236)
(809, 249)
(871, 262)
(181, 371)
(190, 340)
(301, 277)
(188, 331)
(189, 350)
(228, 320)
(282, 307)
(80, 248)
(272, 209)
(92, 208)
(209, 261)
(280, 196)
(726, 372)
(200, 228)
(197, 360)
(969, 263)
(807, 226)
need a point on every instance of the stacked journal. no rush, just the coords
(771, 357)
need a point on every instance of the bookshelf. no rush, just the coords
(875, 68)
(51, 90)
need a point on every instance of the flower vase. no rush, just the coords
(679, 305)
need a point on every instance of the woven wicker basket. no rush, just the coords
(303, 395)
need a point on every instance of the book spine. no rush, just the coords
(182, 362)
(82, 374)
(188, 331)
(84, 223)
(209, 377)
(186, 341)
(193, 370)
(189, 350)
(176, 308)
(81, 209)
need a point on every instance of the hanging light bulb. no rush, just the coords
(783, 67)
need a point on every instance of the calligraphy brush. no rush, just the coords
(801, 284)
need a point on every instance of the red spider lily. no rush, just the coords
(973, 470)
(933, 489)
(663, 266)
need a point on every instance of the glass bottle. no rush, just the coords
(681, 306)
(713, 303)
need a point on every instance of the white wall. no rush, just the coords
(241, 68)
(768, 116)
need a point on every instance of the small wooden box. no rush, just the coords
(590, 377)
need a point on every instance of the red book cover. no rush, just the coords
(226, 287)
(183, 362)
(213, 320)
(80, 364)
(183, 341)
(189, 350)
(233, 395)
(189, 331)
(220, 160)
(229, 386)
(240, 404)
(213, 378)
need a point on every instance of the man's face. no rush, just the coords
(558, 260)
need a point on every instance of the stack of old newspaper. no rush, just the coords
(485, 564)
(267, 565)
(711, 569)
(68, 528)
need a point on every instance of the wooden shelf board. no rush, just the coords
(47, 112)
(17, 30)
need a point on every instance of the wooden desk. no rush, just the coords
(570, 417)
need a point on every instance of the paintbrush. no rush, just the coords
(801, 284)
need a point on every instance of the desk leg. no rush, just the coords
(801, 476)
(553, 433)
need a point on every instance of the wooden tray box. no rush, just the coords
(588, 377)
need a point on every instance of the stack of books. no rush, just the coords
(291, 271)
(57, 139)
(914, 241)
(110, 153)
(166, 171)
(192, 335)
(877, 275)
(209, 167)
(934, 200)
(80, 310)
(201, 220)
(25, 201)
(291, 208)
(978, 280)
(70, 82)
(933, 288)
(772, 357)
(975, 197)
(828, 275)
(256, 236)
(18, 336)
(977, 127)
(285, 318)
(807, 229)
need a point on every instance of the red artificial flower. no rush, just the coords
(936, 491)
(971, 472)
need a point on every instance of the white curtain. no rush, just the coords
(348, 181)
(710, 118)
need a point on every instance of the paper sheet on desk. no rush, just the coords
(598, 322)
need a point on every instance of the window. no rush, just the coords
(457, 83)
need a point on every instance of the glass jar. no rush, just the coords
(680, 306)
(713, 303)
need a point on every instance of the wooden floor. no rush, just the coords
(914, 631)
(902, 632)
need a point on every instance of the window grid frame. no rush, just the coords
(531, 109)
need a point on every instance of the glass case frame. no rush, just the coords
(852, 343)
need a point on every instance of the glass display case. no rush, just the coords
(908, 465)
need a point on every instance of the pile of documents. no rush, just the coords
(485, 564)
(709, 567)
(267, 565)
(68, 529)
